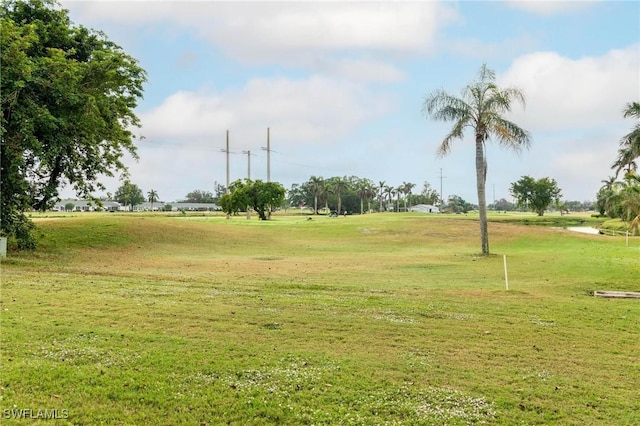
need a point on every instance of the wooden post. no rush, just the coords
(506, 277)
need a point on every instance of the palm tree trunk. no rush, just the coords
(481, 178)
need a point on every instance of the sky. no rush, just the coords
(341, 84)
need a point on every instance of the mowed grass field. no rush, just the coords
(381, 319)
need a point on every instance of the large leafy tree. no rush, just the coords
(258, 195)
(431, 196)
(129, 194)
(236, 200)
(296, 195)
(199, 196)
(481, 107)
(536, 195)
(456, 204)
(68, 96)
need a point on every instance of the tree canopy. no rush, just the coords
(456, 204)
(129, 194)
(200, 196)
(536, 195)
(481, 107)
(620, 198)
(68, 96)
(258, 195)
(629, 149)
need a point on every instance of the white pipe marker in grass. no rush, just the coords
(506, 278)
(627, 238)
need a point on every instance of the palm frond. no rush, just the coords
(632, 109)
(508, 134)
(440, 100)
(456, 133)
(501, 101)
(632, 140)
(625, 160)
(485, 74)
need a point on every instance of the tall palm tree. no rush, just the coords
(371, 192)
(324, 192)
(388, 190)
(313, 186)
(363, 193)
(339, 184)
(381, 185)
(152, 197)
(481, 107)
(407, 187)
(398, 193)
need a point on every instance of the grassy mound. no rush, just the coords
(374, 319)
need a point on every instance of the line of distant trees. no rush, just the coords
(360, 195)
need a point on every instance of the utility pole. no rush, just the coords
(441, 177)
(268, 149)
(227, 151)
(494, 196)
(248, 152)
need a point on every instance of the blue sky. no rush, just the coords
(341, 86)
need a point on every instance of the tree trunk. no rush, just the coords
(481, 178)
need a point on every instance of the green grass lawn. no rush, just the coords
(377, 319)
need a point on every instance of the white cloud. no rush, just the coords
(508, 48)
(277, 27)
(283, 30)
(574, 112)
(583, 93)
(550, 7)
(362, 70)
(307, 111)
(187, 114)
